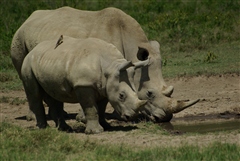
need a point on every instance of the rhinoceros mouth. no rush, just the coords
(158, 119)
(156, 115)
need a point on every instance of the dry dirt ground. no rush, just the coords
(219, 101)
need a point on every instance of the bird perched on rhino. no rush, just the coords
(60, 41)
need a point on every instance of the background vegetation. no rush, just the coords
(196, 37)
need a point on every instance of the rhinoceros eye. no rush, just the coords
(122, 96)
(150, 95)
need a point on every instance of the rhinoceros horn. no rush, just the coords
(125, 65)
(167, 91)
(177, 106)
(142, 63)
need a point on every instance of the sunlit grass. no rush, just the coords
(225, 59)
(49, 144)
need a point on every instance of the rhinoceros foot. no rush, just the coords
(93, 127)
(65, 128)
(62, 125)
(105, 125)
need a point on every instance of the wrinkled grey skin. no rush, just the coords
(86, 71)
(113, 26)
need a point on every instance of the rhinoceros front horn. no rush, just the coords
(177, 106)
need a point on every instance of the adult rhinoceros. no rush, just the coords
(86, 71)
(113, 26)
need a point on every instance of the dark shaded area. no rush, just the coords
(81, 128)
(70, 116)
(200, 123)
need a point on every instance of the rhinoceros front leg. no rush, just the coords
(57, 113)
(86, 98)
(101, 113)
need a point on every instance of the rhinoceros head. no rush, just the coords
(121, 90)
(151, 87)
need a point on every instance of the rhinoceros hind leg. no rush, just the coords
(65, 114)
(81, 117)
(35, 104)
(57, 113)
(34, 94)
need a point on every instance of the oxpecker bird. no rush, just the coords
(60, 40)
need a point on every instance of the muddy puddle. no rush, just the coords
(202, 127)
(204, 124)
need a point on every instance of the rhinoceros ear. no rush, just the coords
(142, 54)
(125, 65)
(155, 45)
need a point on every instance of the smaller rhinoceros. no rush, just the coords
(86, 71)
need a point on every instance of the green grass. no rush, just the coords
(218, 59)
(13, 101)
(196, 37)
(179, 25)
(49, 144)
(9, 80)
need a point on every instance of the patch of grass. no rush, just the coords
(183, 25)
(49, 144)
(4, 99)
(210, 57)
(187, 31)
(10, 80)
(13, 101)
(150, 127)
(18, 101)
(4, 77)
(219, 59)
(22, 144)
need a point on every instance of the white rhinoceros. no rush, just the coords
(111, 25)
(86, 71)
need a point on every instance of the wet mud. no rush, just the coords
(202, 123)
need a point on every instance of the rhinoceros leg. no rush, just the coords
(34, 95)
(57, 113)
(101, 113)
(65, 114)
(81, 116)
(37, 107)
(86, 98)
